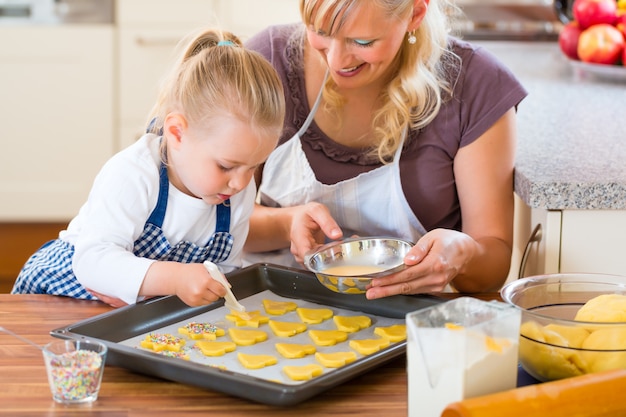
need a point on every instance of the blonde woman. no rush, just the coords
(180, 195)
(393, 128)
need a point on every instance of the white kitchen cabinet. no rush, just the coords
(73, 95)
(150, 30)
(148, 33)
(247, 17)
(572, 241)
(56, 106)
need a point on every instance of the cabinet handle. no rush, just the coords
(156, 41)
(535, 236)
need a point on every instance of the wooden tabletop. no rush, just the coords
(24, 387)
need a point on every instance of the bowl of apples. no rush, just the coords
(594, 41)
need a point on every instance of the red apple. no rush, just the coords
(620, 22)
(601, 44)
(568, 39)
(593, 12)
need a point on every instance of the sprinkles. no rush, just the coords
(180, 355)
(195, 330)
(75, 376)
(162, 341)
(199, 328)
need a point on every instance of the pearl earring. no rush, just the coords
(412, 39)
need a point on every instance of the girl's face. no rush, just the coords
(217, 162)
(362, 51)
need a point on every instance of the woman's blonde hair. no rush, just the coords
(216, 75)
(415, 94)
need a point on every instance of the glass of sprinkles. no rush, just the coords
(75, 369)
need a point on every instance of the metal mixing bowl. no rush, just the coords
(384, 253)
(552, 344)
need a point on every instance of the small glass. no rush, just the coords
(75, 369)
(460, 349)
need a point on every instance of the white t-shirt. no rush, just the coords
(123, 196)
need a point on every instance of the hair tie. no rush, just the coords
(226, 43)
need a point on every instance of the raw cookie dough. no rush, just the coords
(162, 341)
(295, 350)
(286, 329)
(609, 338)
(352, 324)
(256, 361)
(555, 362)
(328, 337)
(368, 346)
(195, 330)
(303, 373)
(314, 315)
(210, 348)
(394, 333)
(248, 319)
(247, 337)
(549, 362)
(278, 308)
(608, 308)
(335, 359)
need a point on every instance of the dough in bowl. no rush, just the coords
(606, 308)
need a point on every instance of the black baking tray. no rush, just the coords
(146, 316)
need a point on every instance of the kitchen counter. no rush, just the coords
(570, 131)
(24, 388)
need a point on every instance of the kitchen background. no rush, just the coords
(78, 78)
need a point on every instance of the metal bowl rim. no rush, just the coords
(310, 255)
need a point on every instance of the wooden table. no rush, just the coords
(24, 387)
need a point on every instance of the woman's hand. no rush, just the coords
(310, 225)
(435, 260)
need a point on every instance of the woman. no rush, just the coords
(392, 128)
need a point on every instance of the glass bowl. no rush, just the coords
(348, 266)
(553, 345)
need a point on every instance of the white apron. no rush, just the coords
(371, 204)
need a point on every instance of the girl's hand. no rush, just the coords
(310, 225)
(196, 287)
(437, 258)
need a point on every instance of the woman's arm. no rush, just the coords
(484, 176)
(478, 258)
(300, 228)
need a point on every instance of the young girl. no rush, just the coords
(181, 195)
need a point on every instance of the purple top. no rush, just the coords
(484, 91)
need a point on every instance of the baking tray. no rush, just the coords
(117, 327)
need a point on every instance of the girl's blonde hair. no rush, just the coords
(416, 92)
(216, 75)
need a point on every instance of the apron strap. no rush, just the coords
(222, 224)
(311, 116)
(158, 214)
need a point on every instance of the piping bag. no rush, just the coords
(231, 301)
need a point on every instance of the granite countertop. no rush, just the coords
(571, 130)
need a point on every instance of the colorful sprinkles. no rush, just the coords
(75, 376)
(196, 330)
(170, 354)
(162, 341)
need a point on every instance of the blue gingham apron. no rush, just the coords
(49, 270)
